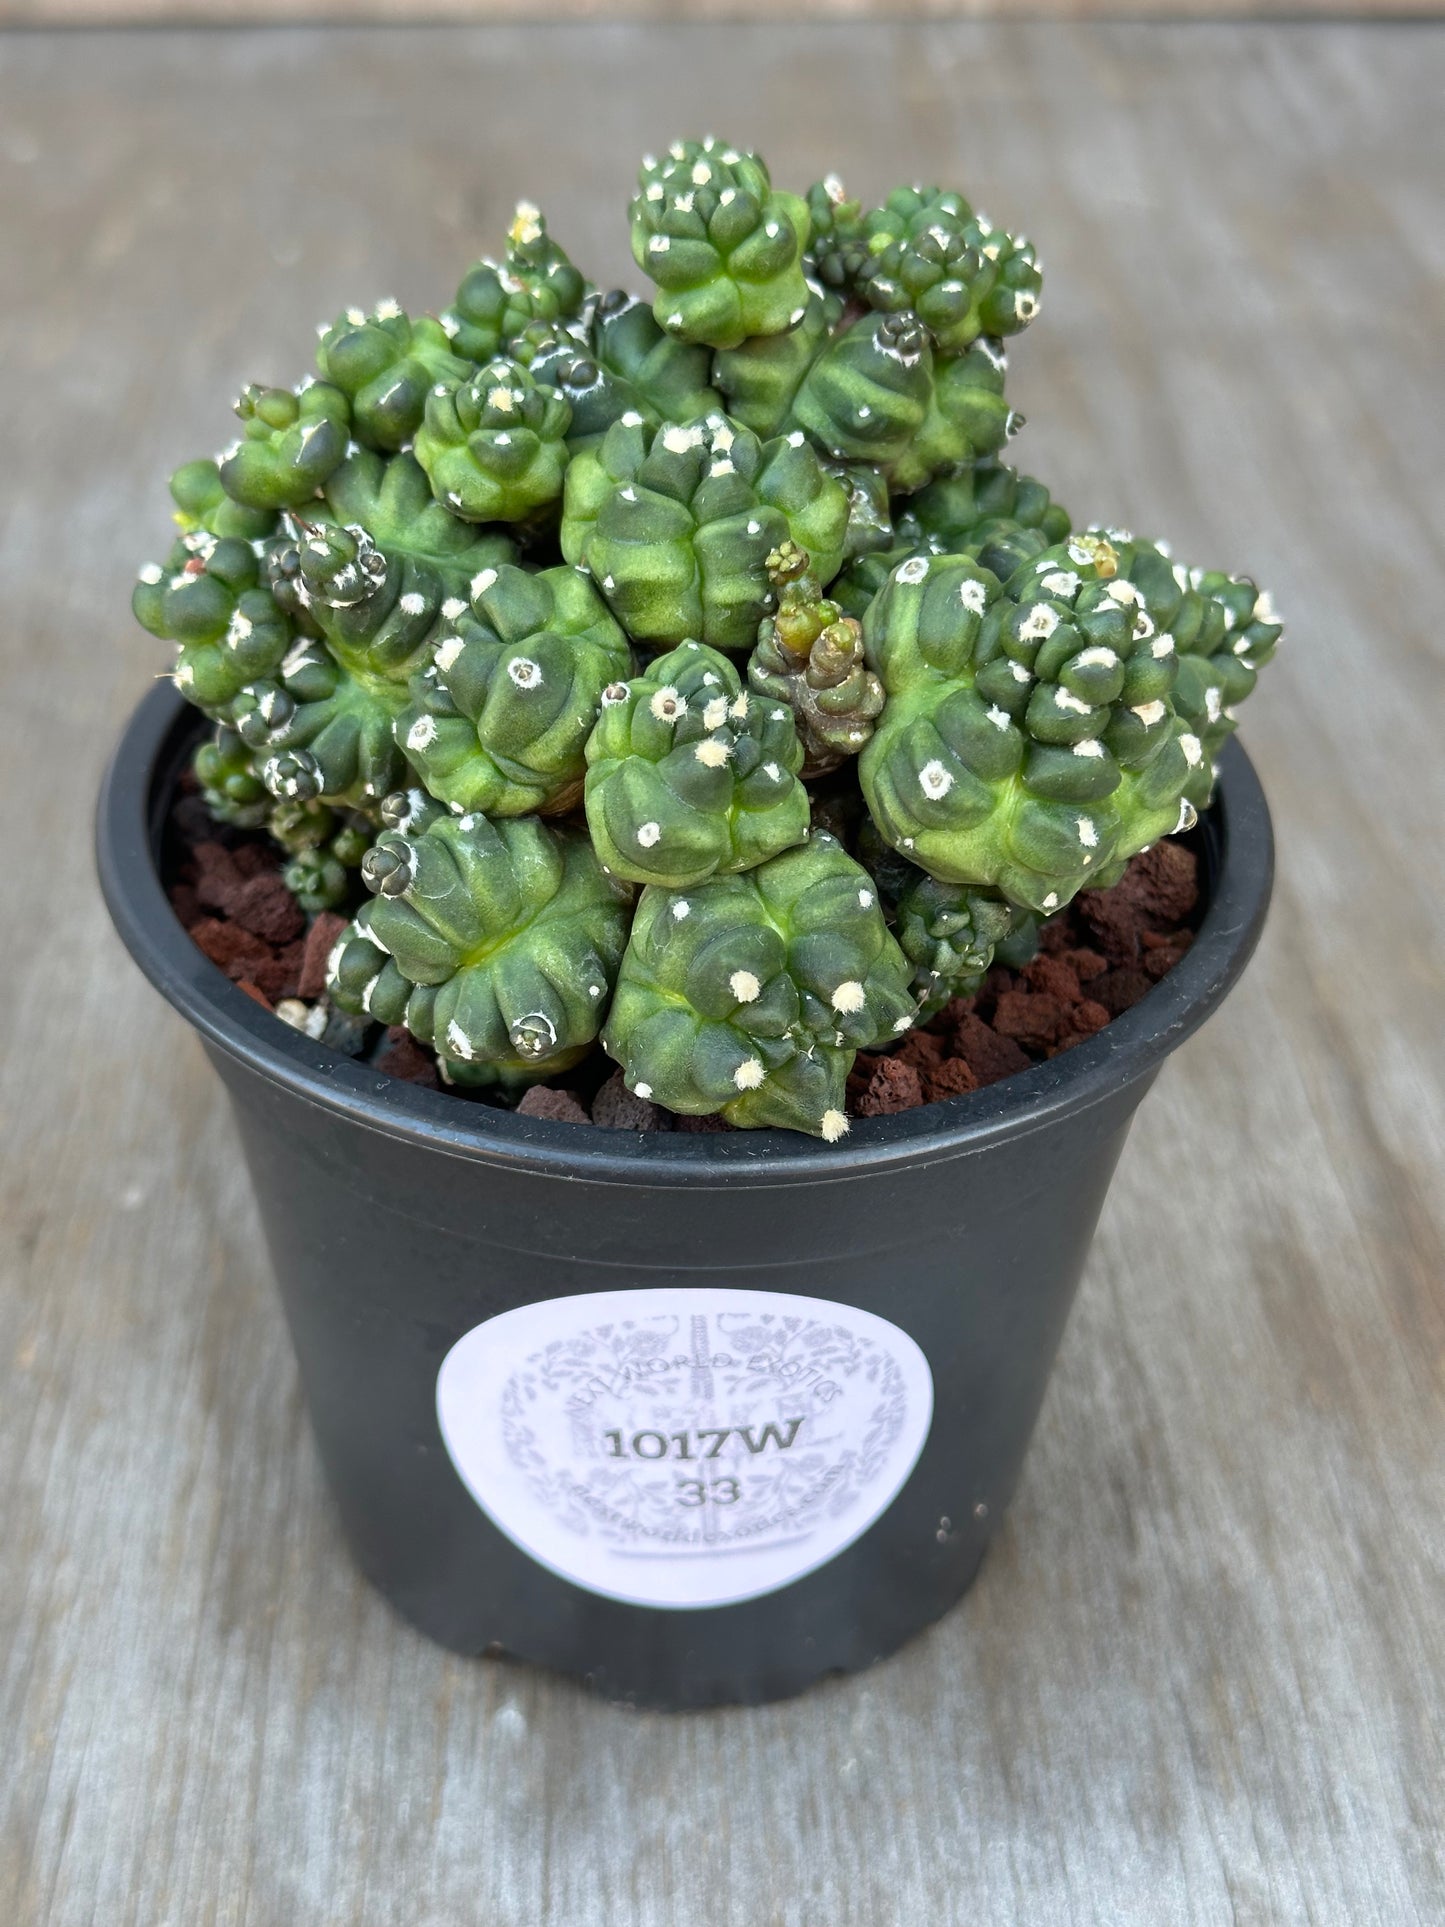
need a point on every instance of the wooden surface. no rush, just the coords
(1200, 1679)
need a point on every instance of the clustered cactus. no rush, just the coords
(691, 680)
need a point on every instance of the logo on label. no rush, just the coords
(684, 1447)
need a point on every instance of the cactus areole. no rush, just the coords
(673, 697)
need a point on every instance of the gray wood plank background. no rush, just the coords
(1200, 1679)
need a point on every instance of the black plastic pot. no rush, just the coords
(788, 1456)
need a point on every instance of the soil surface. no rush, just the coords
(1096, 959)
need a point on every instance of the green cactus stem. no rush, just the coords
(689, 776)
(376, 613)
(949, 933)
(497, 943)
(290, 442)
(930, 255)
(386, 365)
(495, 447)
(838, 237)
(230, 783)
(499, 718)
(676, 524)
(1028, 741)
(390, 497)
(496, 304)
(1219, 666)
(724, 247)
(619, 363)
(321, 732)
(208, 599)
(203, 506)
(749, 995)
(810, 656)
(319, 874)
(988, 512)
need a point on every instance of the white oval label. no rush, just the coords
(681, 1446)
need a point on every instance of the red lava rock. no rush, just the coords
(892, 1086)
(1113, 924)
(615, 1108)
(1163, 885)
(1159, 962)
(560, 1106)
(1030, 1018)
(1085, 964)
(266, 907)
(320, 942)
(254, 992)
(255, 859)
(217, 878)
(1080, 1021)
(280, 975)
(923, 1049)
(952, 1078)
(989, 1056)
(1119, 990)
(229, 947)
(404, 1058)
(1054, 977)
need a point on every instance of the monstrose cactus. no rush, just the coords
(687, 678)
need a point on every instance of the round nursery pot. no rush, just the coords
(696, 1418)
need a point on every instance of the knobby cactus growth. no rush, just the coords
(688, 680)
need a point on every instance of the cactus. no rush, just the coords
(723, 245)
(495, 446)
(208, 600)
(495, 304)
(676, 524)
(689, 678)
(1028, 742)
(290, 442)
(386, 365)
(949, 933)
(498, 943)
(689, 776)
(749, 994)
(810, 656)
(500, 716)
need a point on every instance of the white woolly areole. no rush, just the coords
(1099, 657)
(973, 595)
(422, 732)
(457, 1040)
(865, 899)
(740, 706)
(715, 714)
(483, 581)
(849, 996)
(913, 570)
(1150, 713)
(448, 651)
(648, 834)
(412, 604)
(1193, 750)
(744, 986)
(1213, 704)
(504, 400)
(1019, 673)
(749, 1074)
(1051, 901)
(1122, 591)
(934, 780)
(1039, 623)
(525, 673)
(998, 717)
(642, 1090)
(151, 573)
(712, 753)
(682, 908)
(1161, 647)
(1090, 747)
(453, 607)
(834, 1126)
(772, 771)
(1066, 699)
(1063, 582)
(1088, 833)
(1264, 609)
(667, 705)
(677, 441)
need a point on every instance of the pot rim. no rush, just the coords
(1239, 864)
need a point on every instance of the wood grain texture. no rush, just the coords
(1200, 1679)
